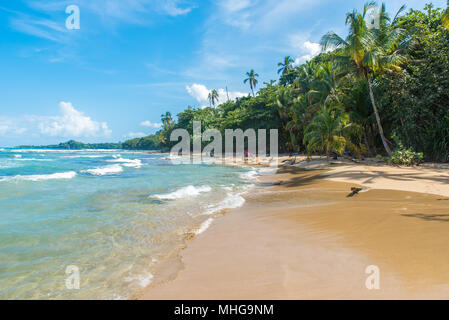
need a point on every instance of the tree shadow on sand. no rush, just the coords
(299, 177)
(369, 176)
(429, 217)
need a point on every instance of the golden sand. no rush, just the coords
(299, 236)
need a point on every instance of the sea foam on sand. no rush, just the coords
(189, 191)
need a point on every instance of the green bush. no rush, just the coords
(406, 157)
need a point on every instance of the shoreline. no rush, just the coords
(247, 253)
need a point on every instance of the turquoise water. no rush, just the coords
(113, 214)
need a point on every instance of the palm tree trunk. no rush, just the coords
(379, 124)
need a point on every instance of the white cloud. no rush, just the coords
(307, 51)
(200, 92)
(132, 135)
(172, 8)
(262, 16)
(42, 28)
(3, 129)
(10, 127)
(72, 123)
(150, 124)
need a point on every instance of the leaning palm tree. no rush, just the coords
(329, 130)
(369, 50)
(446, 16)
(212, 97)
(286, 66)
(252, 80)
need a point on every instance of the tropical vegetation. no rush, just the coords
(380, 90)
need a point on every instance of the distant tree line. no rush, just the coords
(76, 145)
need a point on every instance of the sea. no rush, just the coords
(96, 224)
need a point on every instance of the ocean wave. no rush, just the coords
(254, 173)
(136, 163)
(267, 170)
(231, 201)
(83, 156)
(250, 175)
(32, 159)
(204, 226)
(189, 191)
(40, 177)
(113, 169)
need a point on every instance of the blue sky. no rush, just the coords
(132, 60)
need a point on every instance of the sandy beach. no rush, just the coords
(299, 236)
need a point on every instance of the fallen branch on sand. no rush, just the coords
(354, 191)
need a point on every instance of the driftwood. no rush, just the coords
(354, 191)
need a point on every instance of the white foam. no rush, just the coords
(82, 156)
(142, 280)
(32, 159)
(231, 201)
(250, 175)
(253, 174)
(40, 177)
(145, 280)
(204, 226)
(113, 169)
(136, 163)
(267, 170)
(189, 191)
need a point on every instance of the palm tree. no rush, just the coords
(326, 83)
(329, 130)
(166, 118)
(252, 80)
(306, 80)
(213, 97)
(291, 112)
(286, 66)
(369, 50)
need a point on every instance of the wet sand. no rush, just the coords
(305, 239)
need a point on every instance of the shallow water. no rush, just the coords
(113, 214)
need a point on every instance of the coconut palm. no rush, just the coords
(369, 50)
(213, 97)
(291, 111)
(286, 66)
(306, 80)
(252, 80)
(446, 16)
(329, 130)
(166, 118)
(326, 84)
